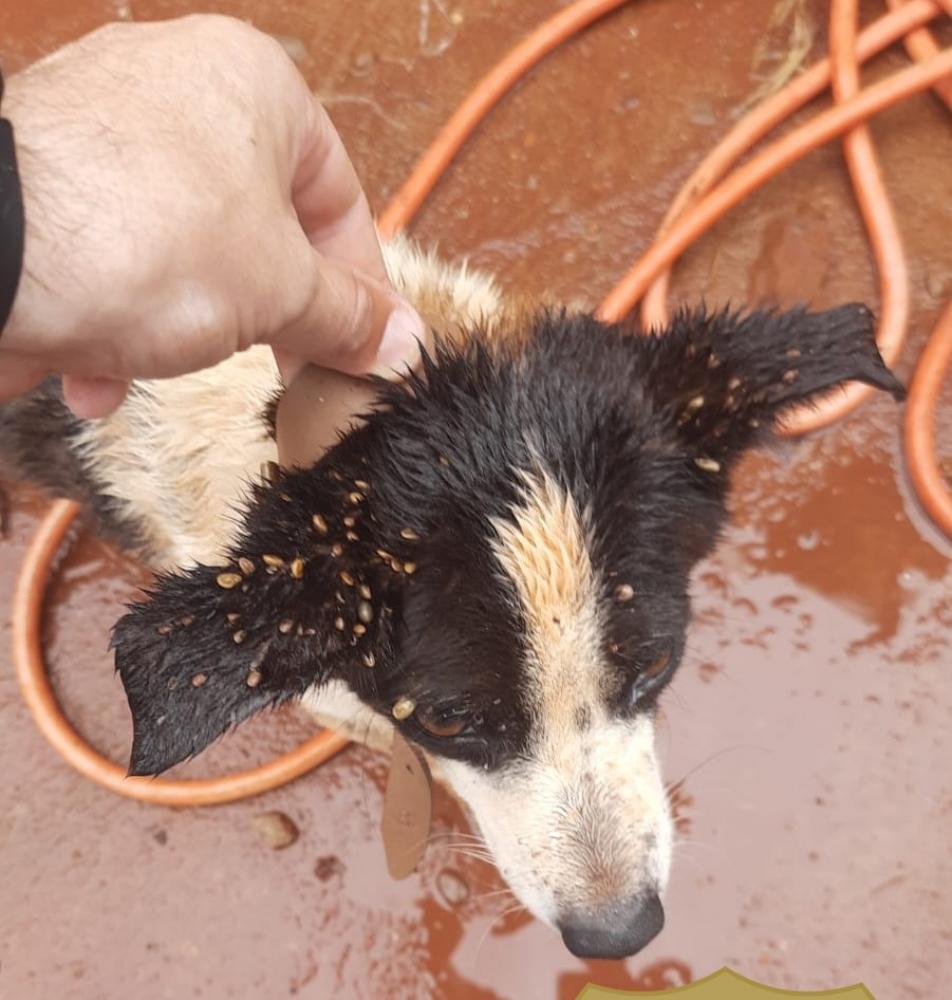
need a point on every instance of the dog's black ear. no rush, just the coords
(303, 597)
(721, 378)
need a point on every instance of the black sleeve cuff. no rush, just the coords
(12, 224)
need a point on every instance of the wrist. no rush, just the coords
(12, 223)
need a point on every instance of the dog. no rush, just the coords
(495, 562)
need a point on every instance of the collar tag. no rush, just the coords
(407, 809)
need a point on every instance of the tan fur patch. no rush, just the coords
(545, 553)
(450, 298)
(179, 455)
(458, 301)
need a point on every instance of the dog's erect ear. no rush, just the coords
(302, 598)
(722, 377)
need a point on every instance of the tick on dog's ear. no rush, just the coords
(303, 597)
(722, 377)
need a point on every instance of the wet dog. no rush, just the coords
(495, 561)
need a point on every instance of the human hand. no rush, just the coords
(186, 197)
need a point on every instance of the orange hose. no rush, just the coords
(767, 164)
(930, 485)
(695, 209)
(480, 101)
(761, 120)
(921, 45)
(870, 191)
(919, 431)
(878, 218)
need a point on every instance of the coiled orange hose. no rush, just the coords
(921, 45)
(480, 101)
(919, 431)
(698, 205)
(907, 20)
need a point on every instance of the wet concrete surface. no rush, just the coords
(810, 730)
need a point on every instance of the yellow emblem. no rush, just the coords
(727, 985)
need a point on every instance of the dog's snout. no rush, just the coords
(614, 931)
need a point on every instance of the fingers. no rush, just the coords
(88, 398)
(330, 202)
(353, 321)
(350, 323)
(91, 398)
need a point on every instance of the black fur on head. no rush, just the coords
(374, 567)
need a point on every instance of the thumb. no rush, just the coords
(351, 323)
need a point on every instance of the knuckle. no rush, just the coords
(356, 311)
(229, 38)
(197, 328)
(221, 26)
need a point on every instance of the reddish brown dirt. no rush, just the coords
(812, 722)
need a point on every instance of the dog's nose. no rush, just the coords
(615, 931)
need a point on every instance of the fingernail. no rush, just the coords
(400, 344)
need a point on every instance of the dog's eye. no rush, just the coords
(651, 677)
(657, 668)
(444, 725)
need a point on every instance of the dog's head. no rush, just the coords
(497, 561)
